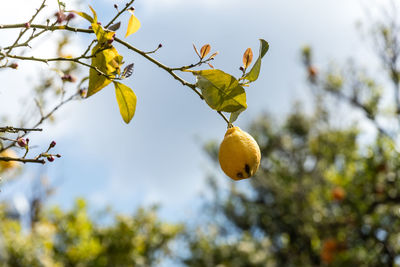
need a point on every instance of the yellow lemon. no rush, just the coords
(239, 154)
(6, 165)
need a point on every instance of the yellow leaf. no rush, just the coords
(94, 14)
(133, 25)
(126, 99)
(83, 15)
(104, 37)
(108, 62)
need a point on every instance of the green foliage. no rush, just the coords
(235, 115)
(253, 74)
(106, 65)
(72, 238)
(221, 91)
(106, 61)
(244, 250)
(292, 213)
(324, 195)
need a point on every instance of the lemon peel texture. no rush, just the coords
(239, 154)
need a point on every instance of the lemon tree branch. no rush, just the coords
(119, 13)
(170, 70)
(10, 129)
(23, 160)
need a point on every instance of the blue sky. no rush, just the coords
(158, 157)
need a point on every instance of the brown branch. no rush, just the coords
(42, 161)
(43, 118)
(119, 13)
(192, 65)
(369, 115)
(46, 27)
(11, 129)
(167, 69)
(46, 60)
(28, 23)
(127, 45)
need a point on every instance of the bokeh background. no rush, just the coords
(160, 157)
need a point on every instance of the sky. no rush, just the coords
(158, 157)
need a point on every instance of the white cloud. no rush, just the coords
(17, 84)
(154, 159)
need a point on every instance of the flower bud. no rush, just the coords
(52, 144)
(60, 17)
(68, 78)
(70, 16)
(50, 158)
(22, 142)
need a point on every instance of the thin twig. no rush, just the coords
(127, 45)
(119, 13)
(191, 66)
(10, 129)
(42, 119)
(28, 23)
(42, 161)
(46, 27)
(46, 60)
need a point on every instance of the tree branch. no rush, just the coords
(42, 161)
(127, 45)
(119, 13)
(10, 129)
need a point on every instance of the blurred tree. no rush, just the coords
(72, 238)
(328, 189)
(327, 192)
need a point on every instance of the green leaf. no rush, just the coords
(126, 99)
(108, 62)
(252, 75)
(221, 90)
(235, 115)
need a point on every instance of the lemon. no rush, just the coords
(239, 154)
(6, 165)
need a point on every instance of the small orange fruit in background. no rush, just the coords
(239, 154)
(330, 248)
(338, 193)
(7, 165)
